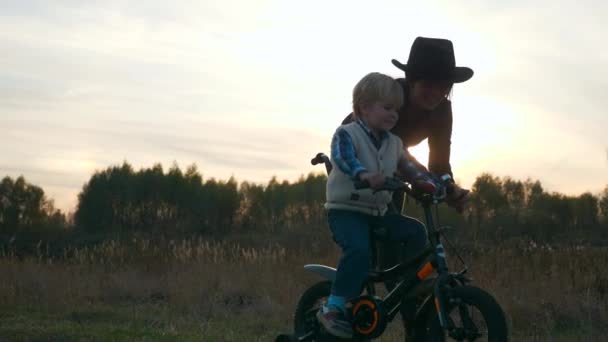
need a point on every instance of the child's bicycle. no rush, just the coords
(447, 307)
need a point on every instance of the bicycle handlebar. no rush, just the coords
(322, 158)
(390, 184)
(319, 158)
(418, 191)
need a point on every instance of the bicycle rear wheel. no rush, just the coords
(305, 319)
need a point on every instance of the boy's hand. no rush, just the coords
(375, 180)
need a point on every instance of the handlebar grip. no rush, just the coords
(449, 188)
(319, 158)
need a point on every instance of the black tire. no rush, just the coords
(310, 302)
(305, 319)
(480, 306)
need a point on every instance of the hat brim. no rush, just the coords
(458, 75)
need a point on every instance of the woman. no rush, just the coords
(430, 73)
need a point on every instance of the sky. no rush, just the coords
(253, 89)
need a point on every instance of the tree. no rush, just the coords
(119, 199)
(603, 204)
(103, 203)
(515, 196)
(585, 211)
(487, 200)
(24, 206)
(27, 217)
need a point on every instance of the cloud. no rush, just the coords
(258, 90)
(63, 156)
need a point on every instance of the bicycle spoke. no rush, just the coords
(470, 329)
(467, 320)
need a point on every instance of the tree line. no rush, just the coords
(504, 207)
(121, 201)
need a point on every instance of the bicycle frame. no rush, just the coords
(435, 260)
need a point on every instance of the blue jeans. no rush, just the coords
(351, 231)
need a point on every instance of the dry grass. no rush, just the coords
(198, 288)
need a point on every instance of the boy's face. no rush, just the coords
(380, 115)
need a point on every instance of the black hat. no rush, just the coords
(433, 59)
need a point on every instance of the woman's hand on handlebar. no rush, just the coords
(375, 179)
(458, 198)
(427, 183)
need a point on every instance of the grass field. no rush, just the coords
(222, 291)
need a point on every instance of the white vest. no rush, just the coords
(340, 191)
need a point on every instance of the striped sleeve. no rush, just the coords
(344, 155)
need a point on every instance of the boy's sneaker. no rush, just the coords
(335, 322)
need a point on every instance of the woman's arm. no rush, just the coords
(440, 141)
(408, 169)
(413, 159)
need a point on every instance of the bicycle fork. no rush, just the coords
(442, 279)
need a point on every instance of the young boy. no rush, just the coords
(365, 150)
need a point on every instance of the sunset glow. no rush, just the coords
(255, 92)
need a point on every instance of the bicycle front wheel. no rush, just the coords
(475, 315)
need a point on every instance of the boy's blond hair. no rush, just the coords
(376, 87)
